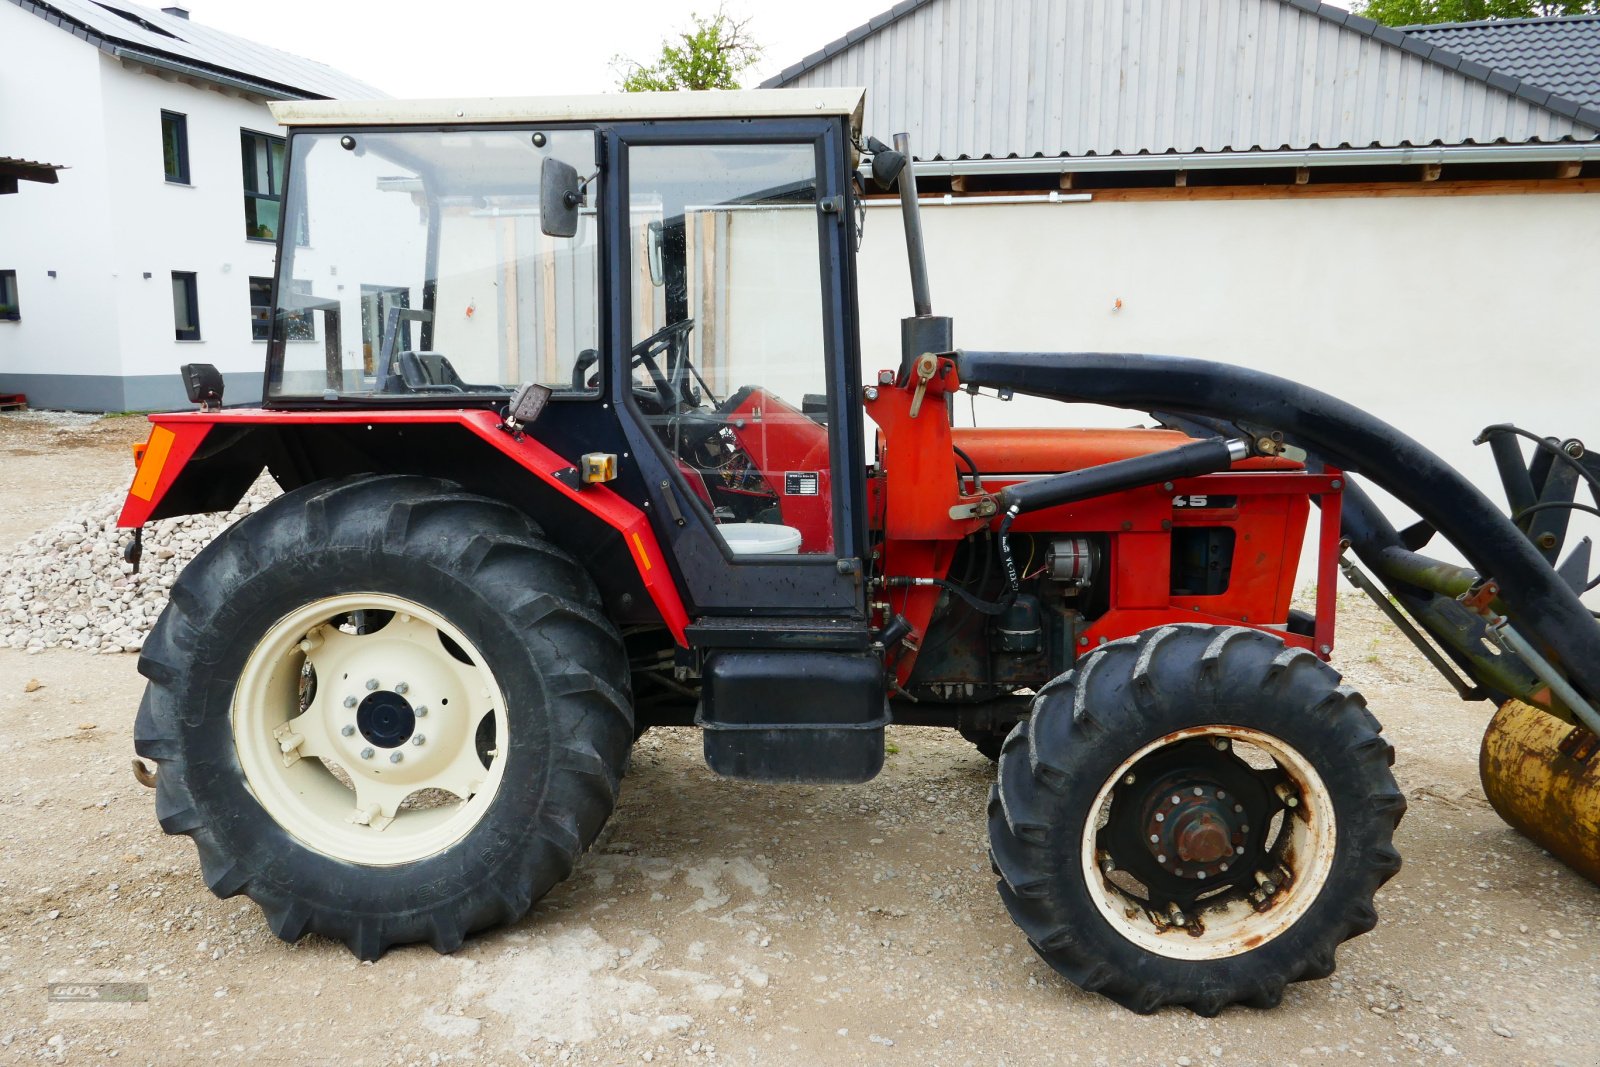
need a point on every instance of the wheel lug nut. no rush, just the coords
(349, 702)
(366, 753)
(402, 688)
(419, 740)
(372, 683)
(420, 711)
(346, 730)
(1220, 744)
(1287, 795)
(1128, 780)
(396, 757)
(1160, 817)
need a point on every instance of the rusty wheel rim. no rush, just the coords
(1209, 842)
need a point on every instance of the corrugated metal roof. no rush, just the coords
(1010, 78)
(146, 35)
(1560, 54)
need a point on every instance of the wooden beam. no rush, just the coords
(1569, 169)
(1431, 171)
(1066, 179)
(958, 184)
(1302, 175)
(1180, 179)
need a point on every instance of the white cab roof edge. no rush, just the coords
(607, 107)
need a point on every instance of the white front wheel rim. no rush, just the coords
(364, 745)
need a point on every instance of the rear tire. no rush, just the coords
(1133, 787)
(381, 591)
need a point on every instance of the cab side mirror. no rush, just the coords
(560, 197)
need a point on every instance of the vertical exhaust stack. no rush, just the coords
(923, 331)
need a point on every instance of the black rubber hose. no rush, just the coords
(1185, 461)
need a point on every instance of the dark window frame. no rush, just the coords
(10, 299)
(254, 142)
(180, 128)
(189, 280)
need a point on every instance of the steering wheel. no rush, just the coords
(669, 340)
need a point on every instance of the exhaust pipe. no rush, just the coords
(924, 331)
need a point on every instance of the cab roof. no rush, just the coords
(608, 107)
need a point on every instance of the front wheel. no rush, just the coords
(1194, 816)
(386, 710)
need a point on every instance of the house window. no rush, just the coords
(185, 306)
(298, 325)
(9, 308)
(263, 185)
(175, 146)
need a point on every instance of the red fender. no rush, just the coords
(177, 435)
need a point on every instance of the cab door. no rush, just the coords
(737, 366)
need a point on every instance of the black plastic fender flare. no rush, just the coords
(1338, 433)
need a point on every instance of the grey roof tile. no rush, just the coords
(1558, 54)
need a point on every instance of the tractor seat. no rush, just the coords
(431, 372)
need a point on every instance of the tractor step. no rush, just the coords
(13, 401)
(784, 715)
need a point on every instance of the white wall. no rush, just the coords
(160, 227)
(1439, 314)
(66, 227)
(111, 218)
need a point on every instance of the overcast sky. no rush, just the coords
(507, 47)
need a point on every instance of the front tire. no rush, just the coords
(1194, 816)
(387, 711)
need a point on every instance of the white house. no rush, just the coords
(155, 247)
(1406, 219)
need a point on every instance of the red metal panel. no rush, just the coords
(190, 428)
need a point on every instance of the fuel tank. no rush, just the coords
(1542, 776)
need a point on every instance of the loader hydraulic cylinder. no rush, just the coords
(1185, 461)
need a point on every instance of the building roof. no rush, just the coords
(1559, 54)
(973, 79)
(640, 107)
(172, 43)
(29, 171)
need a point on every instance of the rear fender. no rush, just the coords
(205, 461)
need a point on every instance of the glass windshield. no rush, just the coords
(424, 271)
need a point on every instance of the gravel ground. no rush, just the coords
(720, 921)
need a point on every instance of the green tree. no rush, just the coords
(710, 56)
(1427, 12)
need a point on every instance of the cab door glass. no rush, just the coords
(729, 362)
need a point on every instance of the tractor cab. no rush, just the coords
(681, 292)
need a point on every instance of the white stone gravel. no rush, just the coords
(68, 586)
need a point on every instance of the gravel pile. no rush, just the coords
(68, 586)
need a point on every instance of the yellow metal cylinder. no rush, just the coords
(1546, 787)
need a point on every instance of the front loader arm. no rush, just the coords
(1543, 606)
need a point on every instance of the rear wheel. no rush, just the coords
(1194, 816)
(387, 711)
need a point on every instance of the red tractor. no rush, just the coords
(567, 401)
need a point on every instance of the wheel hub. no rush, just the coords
(386, 719)
(1187, 821)
(1193, 828)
